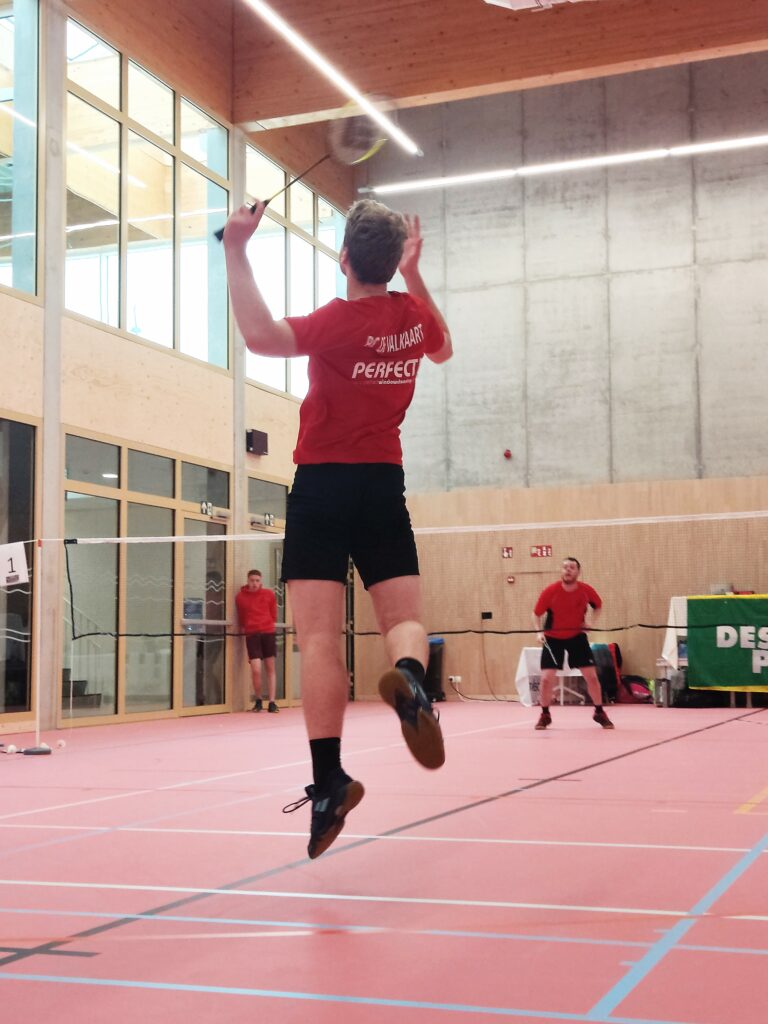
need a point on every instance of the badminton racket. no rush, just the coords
(12, 749)
(546, 644)
(351, 140)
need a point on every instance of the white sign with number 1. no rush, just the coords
(13, 565)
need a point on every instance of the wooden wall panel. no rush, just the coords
(278, 417)
(636, 568)
(144, 394)
(21, 378)
(466, 48)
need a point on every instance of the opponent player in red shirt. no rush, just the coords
(257, 614)
(347, 498)
(561, 617)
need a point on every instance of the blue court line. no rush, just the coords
(408, 1004)
(656, 954)
(366, 929)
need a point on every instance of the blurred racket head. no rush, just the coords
(357, 137)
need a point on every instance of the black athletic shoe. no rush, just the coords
(602, 719)
(418, 722)
(273, 708)
(257, 705)
(545, 719)
(330, 806)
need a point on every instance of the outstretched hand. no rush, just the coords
(409, 261)
(242, 224)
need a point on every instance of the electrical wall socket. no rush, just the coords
(454, 679)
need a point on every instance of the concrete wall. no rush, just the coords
(609, 325)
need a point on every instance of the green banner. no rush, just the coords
(728, 643)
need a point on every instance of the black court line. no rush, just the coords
(52, 946)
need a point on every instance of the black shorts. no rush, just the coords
(337, 511)
(579, 652)
(260, 645)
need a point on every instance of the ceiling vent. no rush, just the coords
(524, 5)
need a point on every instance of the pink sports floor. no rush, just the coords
(148, 875)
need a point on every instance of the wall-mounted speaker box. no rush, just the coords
(256, 442)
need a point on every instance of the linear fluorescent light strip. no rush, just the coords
(333, 75)
(531, 170)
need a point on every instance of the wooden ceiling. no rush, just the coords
(220, 54)
(440, 50)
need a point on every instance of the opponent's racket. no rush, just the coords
(351, 140)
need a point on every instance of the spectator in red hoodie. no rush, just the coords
(257, 615)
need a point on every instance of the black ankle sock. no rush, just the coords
(598, 708)
(545, 709)
(412, 666)
(326, 758)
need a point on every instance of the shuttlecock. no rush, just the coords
(10, 749)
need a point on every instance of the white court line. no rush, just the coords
(471, 840)
(234, 775)
(353, 898)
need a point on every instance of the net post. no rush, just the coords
(37, 575)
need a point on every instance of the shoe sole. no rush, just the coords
(545, 726)
(354, 794)
(605, 725)
(425, 740)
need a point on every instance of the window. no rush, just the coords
(17, 441)
(89, 685)
(330, 225)
(149, 609)
(92, 462)
(93, 65)
(302, 207)
(266, 250)
(150, 102)
(200, 484)
(149, 298)
(263, 178)
(265, 498)
(150, 474)
(176, 195)
(203, 276)
(294, 256)
(302, 299)
(204, 139)
(18, 145)
(93, 213)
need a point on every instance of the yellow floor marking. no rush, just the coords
(755, 801)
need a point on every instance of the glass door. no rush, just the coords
(89, 685)
(204, 614)
(16, 486)
(149, 611)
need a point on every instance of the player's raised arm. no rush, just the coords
(262, 333)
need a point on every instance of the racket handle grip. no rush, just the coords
(219, 235)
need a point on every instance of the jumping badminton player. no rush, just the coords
(561, 616)
(347, 498)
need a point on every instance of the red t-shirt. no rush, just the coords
(566, 608)
(256, 610)
(364, 355)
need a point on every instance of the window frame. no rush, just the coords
(180, 158)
